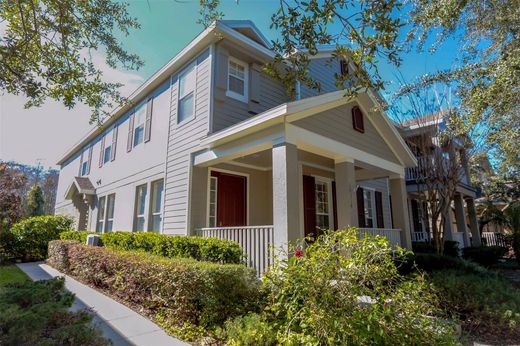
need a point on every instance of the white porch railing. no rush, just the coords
(394, 235)
(256, 241)
(490, 238)
(420, 237)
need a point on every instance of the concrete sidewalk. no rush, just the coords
(120, 324)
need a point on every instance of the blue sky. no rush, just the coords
(166, 27)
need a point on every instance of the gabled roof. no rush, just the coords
(81, 185)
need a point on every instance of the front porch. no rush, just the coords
(268, 183)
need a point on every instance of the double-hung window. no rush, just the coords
(238, 73)
(101, 215)
(140, 207)
(109, 222)
(368, 197)
(84, 168)
(323, 204)
(156, 204)
(140, 118)
(186, 105)
(107, 152)
(213, 201)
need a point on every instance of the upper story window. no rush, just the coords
(84, 168)
(187, 82)
(86, 158)
(357, 119)
(238, 73)
(343, 64)
(140, 118)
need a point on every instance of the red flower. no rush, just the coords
(299, 253)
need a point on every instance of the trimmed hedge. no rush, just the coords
(33, 234)
(80, 236)
(486, 256)
(175, 292)
(199, 248)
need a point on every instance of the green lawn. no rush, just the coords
(11, 274)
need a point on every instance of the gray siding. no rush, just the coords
(336, 123)
(322, 70)
(228, 111)
(382, 186)
(183, 140)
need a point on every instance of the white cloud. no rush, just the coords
(43, 134)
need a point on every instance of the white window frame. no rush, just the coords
(145, 207)
(233, 94)
(151, 213)
(328, 184)
(189, 69)
(107, 219)
(142, 106)
(84, 167)
(214, 217)
(372, 192)
(101, 220)
(248, 199)
(108, 146)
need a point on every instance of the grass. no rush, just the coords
(12, 274)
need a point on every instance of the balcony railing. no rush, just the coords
(256, 241)
(393, 235)
(420, 237)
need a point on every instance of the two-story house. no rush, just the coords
(449, 161)
(211, 145)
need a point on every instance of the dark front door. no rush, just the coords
(231, 199)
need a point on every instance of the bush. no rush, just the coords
(343, 290)
(428, 262)
(7, 246)
(486, 256)
(423, 247)
(199, 248)
(36, 313)
(451, 248)
(80, 236)
(178, 293)
(33, 234)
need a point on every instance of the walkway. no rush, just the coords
(118, 323)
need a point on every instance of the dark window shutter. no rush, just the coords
(343, 67)
(130, 138)
(102, 152)
(148, 123)
(415, 216)
(357, 119)
(379, 209)
(335, 205)
(80, 163)
(114, 144)
(309, 205)
(360, 207)
(89, 158)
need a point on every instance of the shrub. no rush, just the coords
(344, 290)
(428, 262)
(178, 292)
(484, 255)
(36, 313)
(7, 246)
(423, 247)
(80, 236)
(33, 234)
(199, 248)
(451, 248)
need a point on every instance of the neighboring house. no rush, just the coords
(460, 224)
(211, 145)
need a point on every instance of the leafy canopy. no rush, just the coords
(45, 51)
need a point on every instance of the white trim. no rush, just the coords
(193, 66)
(330, 204)
(240, 24)
(211, 87)
(231, 93)
(250, 166)
(315, 165)
(246, 175)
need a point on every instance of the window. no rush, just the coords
(107, 151)
(187, 81)
(84, 168)
(322, 205)
(237, 79)
(109, 222)
(140, 117)
(357, 119)
(213, 201)
(343, 67)
(368, 197)
(155, 205)
(101, 215)
(140, 208)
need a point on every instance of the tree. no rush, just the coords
(512, 216)
(488, 75)
(11, 209)
(46, 51)
(35, 201)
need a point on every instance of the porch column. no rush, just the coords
(286, 206)
(460, 218)
(345, 194)
(400, 210)
(472, 215)
(448, 222)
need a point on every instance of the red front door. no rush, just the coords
(231, 199)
